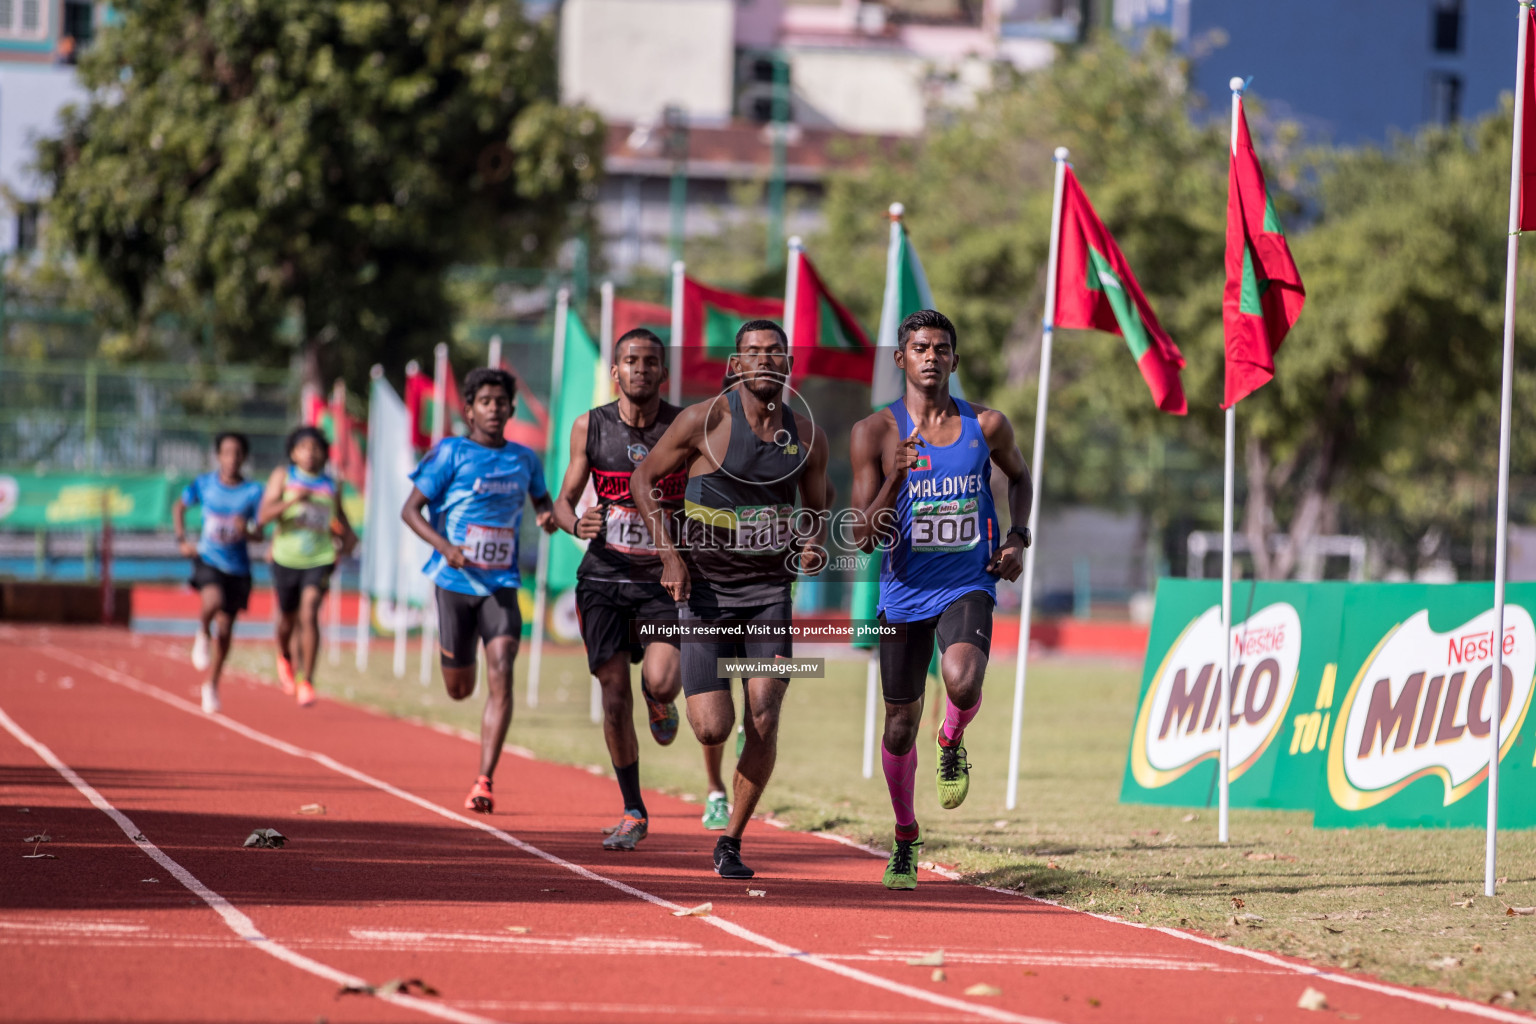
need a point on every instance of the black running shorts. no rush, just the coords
(608, 609)
(290, 584)
(463, 620)
(699, 657)
(904, 661)
(234, 591)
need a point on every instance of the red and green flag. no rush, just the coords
(1264, 293)
(529, 425)
(1095, 290)
(711, 318)
(828, 341)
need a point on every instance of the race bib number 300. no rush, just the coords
(489, 547)
(763, 529)
(625, 531)
(946, 526)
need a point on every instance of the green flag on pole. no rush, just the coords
(580, 387)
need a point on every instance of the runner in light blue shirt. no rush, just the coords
(221, 565)
(474, 488)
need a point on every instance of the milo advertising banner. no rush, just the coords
(1283, 641)
(1369, 704)
(1414, 707)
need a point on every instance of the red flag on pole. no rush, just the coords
(828, 341)
(1528, 132)
(1096, 290)
(1264, 293)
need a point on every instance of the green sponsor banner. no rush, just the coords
(1412, 709)
(57, 501)
(1369, 703)
(1284, 646)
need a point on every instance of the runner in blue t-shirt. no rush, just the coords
(474, 488)
(922, 485)
(221, 566)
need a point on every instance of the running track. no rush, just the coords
(151, 910)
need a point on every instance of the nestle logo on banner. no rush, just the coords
(1178, 725)
(1420, 708)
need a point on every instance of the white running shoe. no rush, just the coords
(211, 705)
(200, 652)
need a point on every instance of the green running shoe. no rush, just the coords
(741, 740)
(901, 870)
(629, 833)
(717, 813)
(954, 776)
(664, 717)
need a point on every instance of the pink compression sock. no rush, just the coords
(901, 779)
(955, 721)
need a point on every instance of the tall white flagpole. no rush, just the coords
(1036, 467)
(675, 392)
(1228, 489)
(791, 290)
(493, 353)
(364, 604)
(541, 580)
(440, 373)
(605, 337)
(333, 609)
(1506, 390)
(492, 360)
(871, 699)
(401, 603)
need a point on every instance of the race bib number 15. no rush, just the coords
(945, 526)
(489, 547)
(625, 531)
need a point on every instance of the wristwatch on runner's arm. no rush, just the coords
(1022, 531)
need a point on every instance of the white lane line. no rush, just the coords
(242, 926)
(729, 927)
(1442, 1002)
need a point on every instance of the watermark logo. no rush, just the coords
(1178, 726)
(1421, 706)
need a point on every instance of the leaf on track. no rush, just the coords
(312, 809)
(934, 959)
(983, 989)
(1510, 911)
(939, 975)
(1312, 999)
(757, 892)
(392, 987)
(266, 839)
(702, 910)
(519, 929)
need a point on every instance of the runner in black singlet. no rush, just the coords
(619, 579)
(748, 457)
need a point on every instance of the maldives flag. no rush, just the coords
(828, 341)
(1264, 293)
(421, 406)
(1096, 290)
(711, 318)
(529, 425)
(1528, 126)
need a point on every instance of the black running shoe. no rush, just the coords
(728, 859)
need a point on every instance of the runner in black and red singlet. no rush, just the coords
(619, 579)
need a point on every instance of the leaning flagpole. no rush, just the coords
(791, 290)
(1228, 489)
(364, 603)
(1027, 594)
(675, 390)
(1506, 401)
(541, 580)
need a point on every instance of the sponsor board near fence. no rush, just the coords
(1369, 704)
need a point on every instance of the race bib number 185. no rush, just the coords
(946, 526)
(489, 547)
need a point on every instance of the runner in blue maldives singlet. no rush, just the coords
(949, 527)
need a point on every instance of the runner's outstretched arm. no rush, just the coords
(576, 476)
(1008, 562)
(671, 452)
(179, 521)
(874, 493)
(411, 515)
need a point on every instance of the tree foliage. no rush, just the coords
(1382, 418)
(322, 162)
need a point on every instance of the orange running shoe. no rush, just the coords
(285, 675)
(480, 799)
(306, 693)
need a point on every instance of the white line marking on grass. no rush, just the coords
(729, 927)
(237, 922)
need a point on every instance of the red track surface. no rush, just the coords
(394, 882)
